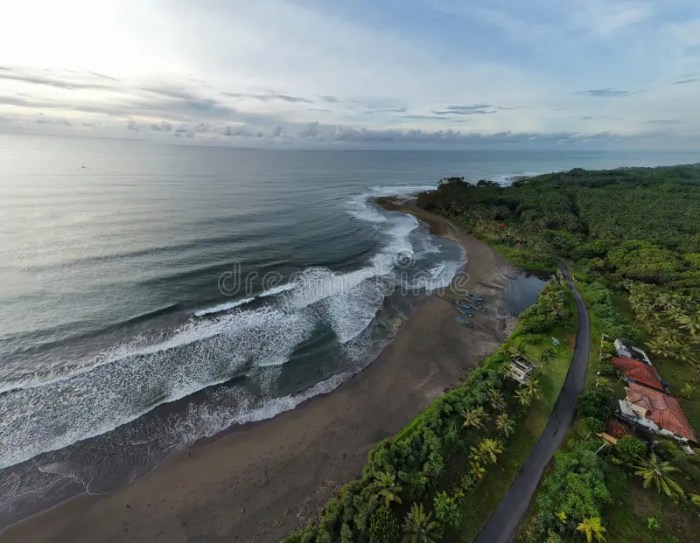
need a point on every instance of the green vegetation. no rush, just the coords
(573, 492)
(416, 484)
(632, 238)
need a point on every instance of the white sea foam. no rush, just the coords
(50, 417)
(359, 205)
(222, 307)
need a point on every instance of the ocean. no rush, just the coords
(155, 295)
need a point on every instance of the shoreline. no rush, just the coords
(259, 481)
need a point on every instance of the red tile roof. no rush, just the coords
(639, 372)
(618, 429)
(663, 409)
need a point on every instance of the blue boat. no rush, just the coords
(464, 311)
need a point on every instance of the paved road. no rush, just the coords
(502, 525)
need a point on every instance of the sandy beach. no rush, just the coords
(259, 481)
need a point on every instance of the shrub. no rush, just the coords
(447, 511)
(606, 368)
(384, 527)
(630, 449)
(594, 403)
(574, 489)
(595, 425)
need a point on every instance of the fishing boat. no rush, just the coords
(464, 311)
(465, 322)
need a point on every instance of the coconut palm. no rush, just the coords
(389, 489)
(419, 527)
(689, 323)
(547, 354)
(516, 351)
(651, 470)
(523, 397)
(476, 470)
(504, 425)
(495, 399)
(488, 450)
(474, 418)
(592, 529)
(661, 347)
(533, 389)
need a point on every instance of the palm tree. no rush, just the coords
(689, 323)
(504, 424)
(654, 471)
(547, 354)
(476, 470)
(695, 499)
(533, 389)
(474, 418)
(389, 489)
(523, 397)
(495, 398)
(592, 529)
(419, 526)
(660, 348)
(516, 351)
(488, 450)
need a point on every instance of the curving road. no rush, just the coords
(502, 525)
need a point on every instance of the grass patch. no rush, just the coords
(627, 516)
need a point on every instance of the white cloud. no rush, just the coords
(285, 71)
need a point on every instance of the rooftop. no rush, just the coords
(661, 408)
(639, 372)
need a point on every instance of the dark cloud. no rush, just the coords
(586, 118)
(240, 131)
(663, 121)
(103, 76)
(363, 135)
(476, 109)
(310, 131)
(397, 109)
(687, 81)
(329, 99)
(47, 119)
(269, 97)
(607, 93)
(67, 83)
(423, 117)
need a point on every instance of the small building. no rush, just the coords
(628, 351)
(656, 411)
(521, 370)
(638, 372)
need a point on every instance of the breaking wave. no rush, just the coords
(76, 400)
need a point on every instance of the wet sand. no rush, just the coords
(259, 481)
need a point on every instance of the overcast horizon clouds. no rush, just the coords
(319, 73)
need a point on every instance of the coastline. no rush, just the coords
(259, 481)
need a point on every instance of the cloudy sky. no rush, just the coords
(308, 73)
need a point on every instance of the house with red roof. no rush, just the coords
(636, 371)
(658, 412)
